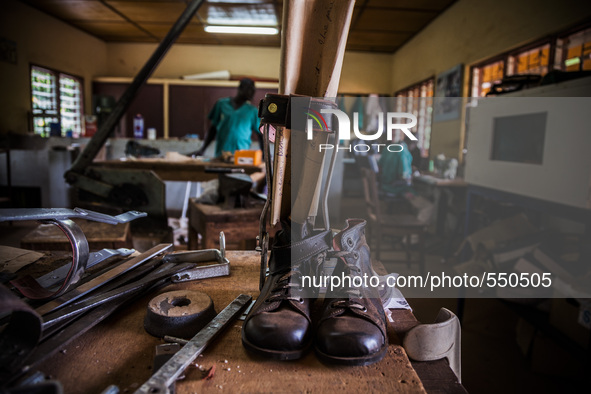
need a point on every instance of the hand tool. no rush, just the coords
(162, 379)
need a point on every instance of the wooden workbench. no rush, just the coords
(240, 226)
(118, 351)
(174, 168)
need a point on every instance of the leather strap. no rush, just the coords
(300, 251)
(19, 337)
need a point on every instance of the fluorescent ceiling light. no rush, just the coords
(241, 15)
(242, 30)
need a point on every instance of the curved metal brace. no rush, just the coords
(428, 342)
(29, 286)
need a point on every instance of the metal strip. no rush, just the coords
(15, 214)
(168, 374)
(100, 280)
(222, 268)
(263, 235)
(202, 272)
(54, 277)
(75, 309)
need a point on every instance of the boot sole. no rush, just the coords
(355, 361)
(281, 355)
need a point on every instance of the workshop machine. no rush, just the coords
(125, 189)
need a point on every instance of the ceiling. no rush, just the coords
(377, 25)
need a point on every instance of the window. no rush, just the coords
(567, 51)
(530, 61)
(418, 100)
(485, 76)
(57, 104)
(574, 51)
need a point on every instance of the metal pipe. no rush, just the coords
(98, 140)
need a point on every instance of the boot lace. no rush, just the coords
(292, 279)
(282, 289)
(353, 295)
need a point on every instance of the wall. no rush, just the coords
(366, 73)
(362, 72)
(46, 41)
(471, 31)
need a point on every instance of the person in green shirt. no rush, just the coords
(233, 120)
(395, 182)
(395, 175)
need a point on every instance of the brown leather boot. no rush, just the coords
(352, 329)
(279, 324)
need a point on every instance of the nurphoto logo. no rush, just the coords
(394, 121)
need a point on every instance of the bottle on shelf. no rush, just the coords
(138, 126)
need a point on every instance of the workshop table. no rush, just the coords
(240, 225)
(442, 189)
(179, 169)
(118, 351)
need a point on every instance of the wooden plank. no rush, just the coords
(437, 377)
(116, 31)
(119, 351)
(78, 10)
(149, 11)
(240, 225)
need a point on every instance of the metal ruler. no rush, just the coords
(173, 368)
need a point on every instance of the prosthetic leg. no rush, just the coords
(279, 325)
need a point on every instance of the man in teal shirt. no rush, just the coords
(233, 120)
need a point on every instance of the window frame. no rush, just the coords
(424, 140)
(553, 62)
(57, 75)
(566, 34)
